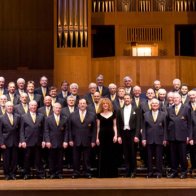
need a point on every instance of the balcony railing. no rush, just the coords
(143, 5)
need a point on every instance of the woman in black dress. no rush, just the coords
(106, 137)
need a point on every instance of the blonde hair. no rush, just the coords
(103, 101)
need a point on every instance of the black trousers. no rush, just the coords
(78, 151)
(10, 155)
(129, 151)
(193, 156)
(155, 150)
(56, 161)
(178, 155)
(32, 157)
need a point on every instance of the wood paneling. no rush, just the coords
(26, 34)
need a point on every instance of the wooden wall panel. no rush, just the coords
(167, 71)
(147, 71)
(106, 67)
(188, 71)
(128, 68)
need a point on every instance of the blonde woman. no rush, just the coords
(106, 139)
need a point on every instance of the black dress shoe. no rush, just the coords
(158, 176)
(74, 176)
(7, 177)
(172, 175)
(60, 176)
(183, 176)
(13, 177)
(41, 177)
(133, 175)
(26, 177)
(150, 175)
(52, 176)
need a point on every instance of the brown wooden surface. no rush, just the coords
(99, 184)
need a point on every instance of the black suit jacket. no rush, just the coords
(9, 134)
(60, 95)
(42, 110)
(154, 132)
(179, 126)
(38, 99)
(193, 115)
(19, 109)
(105, 91)
(66, 112)
(82, 134)
(134, 121)
(16, 99)
(30, 132)
(54, 134)
(88, 98)
(39, 92)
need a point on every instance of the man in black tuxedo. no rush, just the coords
(11, 95)
(43, 90)
(93, 107)
(154, 136)
(119, 102)
(31, 139)
(112, 92)
(128, 85)
(74, 92)
(89, 96)
(156, 87)
(137, 97)
(55, 98)
(64, 93)
(103, 90)
(9, 140)
(162, 97)
(22, 107)
(31, 94)
(3, 100)
(46, 110)
(3, 90)
(179, 133)
(56, 138)
(66, 111)
(128, 122)
(184, 93)
(20, 86)
(82, 136)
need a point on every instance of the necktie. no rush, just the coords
(156, 93)
(137, 102)
(1, 92)
(12, 98)
(100, 90)
(57, 120)
(82, 117)
(53, 101)
(154, 116)
(31, 97)
(149, 105)
(176, 110)
(194, 106)
(3, 110)
(25, 108)
(183, 99)
(96, 108)
(121, 103)
(71, 109)
(112, 97)
(44, 91)
(10, 116)
(47, 111)
(33, 115)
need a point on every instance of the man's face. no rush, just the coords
(44, 82)
(71, 102)
(176, 85)
(121, 93)
(9, 108)
(64, 86)
(47, 101)
(150, 94)
(96, 97)
(112, 90)
(57, 109)
(74, 90)
(99, 81)
(162, 96)
(155, 105)
(127, 83)
(137, 92)
(33, 107)
(82, 104)
(2, 83)
(157, 85)
(127, 100)
(53, 93)
(23, 99)
(21, 84)
(184, 90)
(3, 100)
(177, 99)
(30, 88)
(92, 89)
(11, 88)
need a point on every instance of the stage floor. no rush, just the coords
(138, 183)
